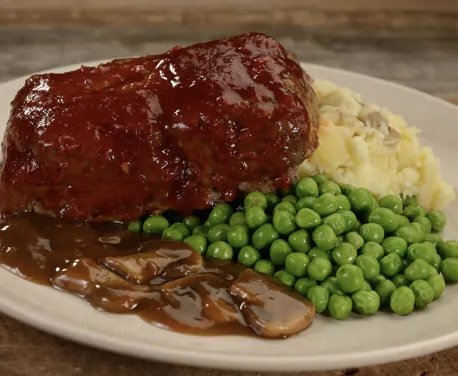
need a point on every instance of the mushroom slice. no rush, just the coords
(200, 301)
(167, 259)
(269, 309)
(101, 287)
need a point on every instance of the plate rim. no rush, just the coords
(71, 331)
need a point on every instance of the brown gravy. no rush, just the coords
(165, 283)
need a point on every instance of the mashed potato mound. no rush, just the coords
(370, 147)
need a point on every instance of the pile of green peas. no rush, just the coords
(335, 244)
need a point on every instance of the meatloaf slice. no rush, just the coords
(179, 130)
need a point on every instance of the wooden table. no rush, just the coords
(424, 60)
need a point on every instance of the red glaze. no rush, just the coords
(179, 131)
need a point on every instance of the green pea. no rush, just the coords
(289, 198)
(366, 286)
(287, 206)
(385, 218)
(437, 282)
(155, 225)
(340, 307)
(325, 204)
(351, 221)
(330, 187)
(372, 232)
(172, 234)
(402, 301)
(284, 222)
(433, 270)
(197, 242)
(365, 302)
(220, 250)
(264, 236)
(303, 285)
(300, 241)
(395, 244)
(425, 223)
(373, 249)
(343, 203)
(285, 278)
(264, 267)
(364, 216)
(410, 234)
(218, 233)
(248, 256)
(296, 263)
(238, 218)
(437, 219)
(361, 199)
(403, 220)
(306, 187)
(305, 202)
(255, 199)
(320, 178)
(272, 200)
(238, 236)
(201, 230)
(425, 251)
(319, 269)
(375, 281)
(412, 211)
(135, 226)
(354, 238)
(424, 293)
(344, 253)
(390, 265)
(350, 278)
(192, 222)
(400, 280)
(421, 234)
(418, 269)
(307, 218)
(448, 248)
(324, 237)
(437, 261)
(181, 227)
(279, 249)
(319, 297)
(369, 265)
(332, 285)
(219, 214)
(384, 289)
(391, 202)
(255, 217)
(337, 222)
(316, 252)
(449, 268)
(357, 226)
(433, 238)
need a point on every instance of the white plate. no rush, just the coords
(328, 343)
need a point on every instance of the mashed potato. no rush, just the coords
(370, 147)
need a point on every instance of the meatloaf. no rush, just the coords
(179, 130)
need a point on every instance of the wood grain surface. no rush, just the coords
(349, 16)
(26, 351)
(427, 63)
